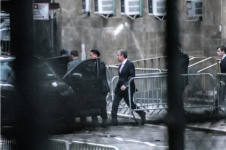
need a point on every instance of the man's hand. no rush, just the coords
(123, 87)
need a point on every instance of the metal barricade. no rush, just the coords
(221, 83)
(152, 92)
(113, 85)
(200, 91)
(7, 144)
(113, 70)
(56, 144)
(76, 145)
(112, 73)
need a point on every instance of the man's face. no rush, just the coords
(92, 55)
(120, 57)
(220, 53)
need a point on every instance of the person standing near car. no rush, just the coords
(126, 72)
(75, 60)
(94, 54)
(64, 52)
(71, 65)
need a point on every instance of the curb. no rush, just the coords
(215, 130)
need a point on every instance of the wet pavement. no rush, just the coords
(208, 135)
(151, 137)
(218, 125)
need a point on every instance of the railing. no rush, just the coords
(160, 62)
(114, 81)
(138, 85)
(113, 70)
(204, 65)
(58, 144)
(154, 62)
(221, 83)
(199, 62)
(7, 144)
(153, 97)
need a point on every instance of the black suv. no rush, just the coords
(66, 94)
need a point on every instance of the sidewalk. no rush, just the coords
(152, 116)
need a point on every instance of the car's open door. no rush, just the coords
(85, 81)
(59, 65)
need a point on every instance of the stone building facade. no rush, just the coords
(142, 37)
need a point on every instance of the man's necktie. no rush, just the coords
(121, 67)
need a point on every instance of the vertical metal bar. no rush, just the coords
(145, 64)
(218, 66)
(148, 94)
(137, 64)
(152, 63)
(153, 92)
(3, 45)
(28, 127)
(176, 114)
(159, 63)
(129, 92)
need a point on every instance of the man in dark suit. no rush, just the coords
(75, 61)
(103, 91)
(221, 52)
(183, 65)
(126, 72)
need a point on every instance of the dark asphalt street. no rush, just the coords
(151, 137)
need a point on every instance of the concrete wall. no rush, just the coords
(142, 37)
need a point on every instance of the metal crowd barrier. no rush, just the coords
(151, 94)
(113, 70)
(221, 82)
(112, 77)
(7, 144)
(57, 144)
(77, 145)
(114, 82)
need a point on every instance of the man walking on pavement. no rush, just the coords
(126, 72)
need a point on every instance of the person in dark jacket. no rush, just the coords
(221, 52)
(126, 72)
(75, 60)
(183, 64)
(103, 91)
(64, 52)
